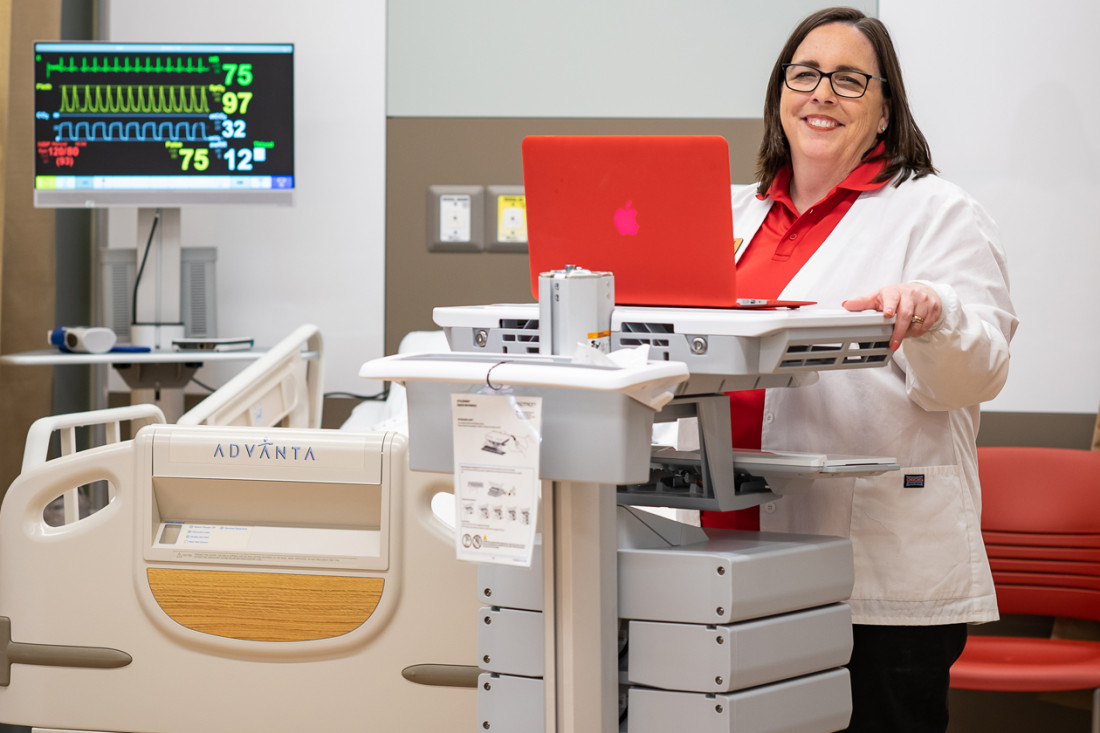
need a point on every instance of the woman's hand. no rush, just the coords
(915, 306)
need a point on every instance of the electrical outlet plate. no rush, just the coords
(506, 219)
(456, 218)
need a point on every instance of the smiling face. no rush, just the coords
(829, 134)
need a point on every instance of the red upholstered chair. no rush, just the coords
(1041, 524)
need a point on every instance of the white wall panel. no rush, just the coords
(1005, 94)
(586, 58)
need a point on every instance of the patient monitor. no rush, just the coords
(240, 579)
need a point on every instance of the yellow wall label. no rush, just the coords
(511, 218)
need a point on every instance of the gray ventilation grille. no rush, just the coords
(118, 268)
(519, 336)
(804, 350)
(119, 282)
(197, 301)
(655, 335)
(800, 355)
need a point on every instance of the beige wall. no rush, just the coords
(26, 234)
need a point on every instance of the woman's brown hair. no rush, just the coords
(906, 149)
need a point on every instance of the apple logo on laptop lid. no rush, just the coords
(625, 219)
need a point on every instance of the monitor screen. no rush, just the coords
(163, 124)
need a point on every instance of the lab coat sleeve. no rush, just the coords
(963, 360)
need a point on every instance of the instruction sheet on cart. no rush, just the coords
(496, 449)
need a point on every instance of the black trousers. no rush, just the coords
(900, 676)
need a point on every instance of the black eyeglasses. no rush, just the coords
(845, 83)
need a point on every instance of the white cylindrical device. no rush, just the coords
(80, 339)
(575, 307)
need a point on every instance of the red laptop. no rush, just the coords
(652, 210)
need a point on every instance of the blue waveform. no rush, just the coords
(149, 131)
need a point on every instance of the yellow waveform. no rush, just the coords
(134, 98)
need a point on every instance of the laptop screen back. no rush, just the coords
(652, 210)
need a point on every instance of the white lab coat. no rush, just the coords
(919, 555)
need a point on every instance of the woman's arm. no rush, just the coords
(956, 353)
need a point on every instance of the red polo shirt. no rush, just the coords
(782, 245)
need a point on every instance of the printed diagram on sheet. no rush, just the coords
(496, 448)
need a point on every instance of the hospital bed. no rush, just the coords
(307, 586)
(243, 576)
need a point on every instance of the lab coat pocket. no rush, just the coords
(911, 536)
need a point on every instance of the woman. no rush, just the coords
(849, 210)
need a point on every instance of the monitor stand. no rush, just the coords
(156, 313)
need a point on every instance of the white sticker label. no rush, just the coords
(496, 447)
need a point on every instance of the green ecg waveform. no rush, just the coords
(102, 65)
(133, 98)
